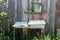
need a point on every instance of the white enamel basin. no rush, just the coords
(20, 25)
(37, 24)
(31, 24)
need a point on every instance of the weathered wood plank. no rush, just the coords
(52, 16)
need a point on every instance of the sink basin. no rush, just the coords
(37, 24)
(20, 25)
(31, 24)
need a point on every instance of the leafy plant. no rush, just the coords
(47, 37)
(51, 37)
(35, 38)
(3, 37)
(3, 14)
(2, 17)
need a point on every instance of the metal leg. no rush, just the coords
(26, 34)
(41, 34)
(14, 34)
(29, 34)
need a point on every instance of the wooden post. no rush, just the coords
(52, 13)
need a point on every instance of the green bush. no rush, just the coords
(2, 16)
(48, 37)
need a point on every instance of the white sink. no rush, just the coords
(37, 24)
(31, 24)
(20, 25)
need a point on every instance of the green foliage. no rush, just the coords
(58, 34)
(35, 38)
(51, 37)
(3, 14)
(48, 37)
(2, 37)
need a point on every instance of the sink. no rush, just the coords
(31, 24)
(20, 25)
(36, 24)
